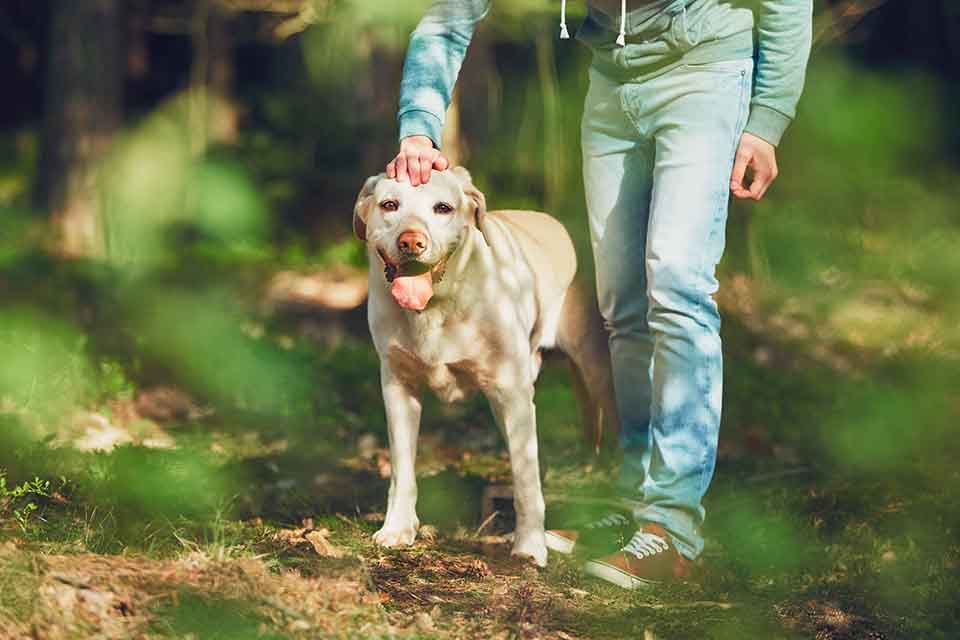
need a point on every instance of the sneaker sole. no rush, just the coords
(553, 541)
(616, 576)
(559, 544)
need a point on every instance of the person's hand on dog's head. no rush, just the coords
(416, 159)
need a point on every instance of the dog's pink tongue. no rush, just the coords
(413, 292)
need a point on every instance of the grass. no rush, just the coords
(217, 537)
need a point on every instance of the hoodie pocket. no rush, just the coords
(679, 27)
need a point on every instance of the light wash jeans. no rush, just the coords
(657, 159)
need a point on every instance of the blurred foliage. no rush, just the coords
(865, 205)
(850, 262)
(204, 342)
(154, 170)
(196, 615)
(45, 371)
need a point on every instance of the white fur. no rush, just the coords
(473, 335)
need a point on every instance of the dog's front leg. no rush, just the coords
(403, 424)
(516, 416)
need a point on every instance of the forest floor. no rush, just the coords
(799, 543)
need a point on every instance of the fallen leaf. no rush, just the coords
(317, 538)
(323, 547)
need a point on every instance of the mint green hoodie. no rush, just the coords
(648, 38)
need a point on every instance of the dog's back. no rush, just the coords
(569, 318)
(546, 245)
(547, 249)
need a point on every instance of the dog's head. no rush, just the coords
(415, 229)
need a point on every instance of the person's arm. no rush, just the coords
(783, 48)
(436, 51)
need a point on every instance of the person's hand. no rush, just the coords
(760, 157)
(416, 159)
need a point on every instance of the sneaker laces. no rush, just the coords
(612, 520)
(644, 544)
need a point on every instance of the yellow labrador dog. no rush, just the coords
(462, 299)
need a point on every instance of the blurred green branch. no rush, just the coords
(837, 20)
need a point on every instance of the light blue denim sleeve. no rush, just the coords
(434, 56)
(783, 48)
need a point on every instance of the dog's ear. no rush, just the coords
(476, 196)
(362, 208)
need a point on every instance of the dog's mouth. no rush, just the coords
(411, 282)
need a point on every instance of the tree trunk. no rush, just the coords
(453, 143)
(84, 107)
(554, 152)
(212, 110)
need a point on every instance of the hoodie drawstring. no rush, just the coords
(564, 34)
(621, 38)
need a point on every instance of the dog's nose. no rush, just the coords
(412, 243)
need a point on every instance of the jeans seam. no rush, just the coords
(723, 202)
(722, 205)
(622, 96)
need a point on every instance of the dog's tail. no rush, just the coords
(582, 336)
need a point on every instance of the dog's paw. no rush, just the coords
(531, 546)
(395, 536)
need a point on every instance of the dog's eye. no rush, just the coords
(442, 207)
(389, 205)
